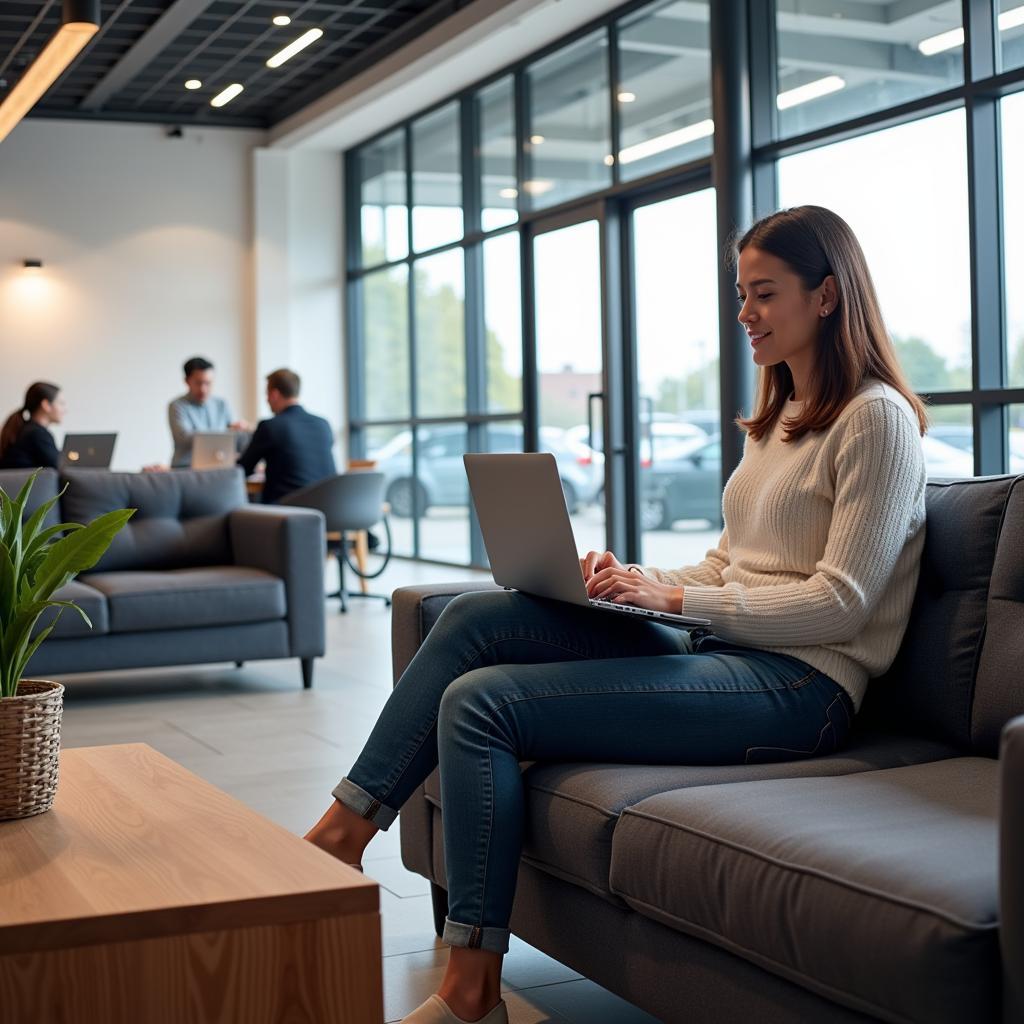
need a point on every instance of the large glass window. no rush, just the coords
(442, 493)
(503, 335)
(391, 448)
(949, 443)
(675, 284)
(383, 213)
(664, 88)
(496, 164)
(436, 179)
(1013, 232)
(385, 342)
(865, 57)
(909, 212)
(568, 138)
(1011, 32)
(440, 334)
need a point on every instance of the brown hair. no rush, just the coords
(853, 343)
(286, 382)
(34, 398)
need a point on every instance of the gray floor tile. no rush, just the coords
(584, 1002)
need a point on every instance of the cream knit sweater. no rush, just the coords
(822, 543)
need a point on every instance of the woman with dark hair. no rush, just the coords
(25, 440)
(808, 591)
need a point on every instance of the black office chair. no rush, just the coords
(350, 501)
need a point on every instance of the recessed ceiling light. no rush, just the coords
(508, 193)
(282, 19)
(536, 139)
(293, 48)
(226, 95)
(627, 97)
(193, 83)
(609, 160)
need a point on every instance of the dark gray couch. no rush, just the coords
(197, 575)
(885, 882)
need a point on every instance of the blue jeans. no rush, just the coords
(504, 677)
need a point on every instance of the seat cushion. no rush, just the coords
(572, 809)
(878, 890)
(179, 598)
(70, 623)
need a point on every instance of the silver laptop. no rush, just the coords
(88, 451)
(213, 450)
(528, 536)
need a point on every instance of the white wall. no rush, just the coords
(147, 261)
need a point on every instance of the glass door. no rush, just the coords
(674, 284)
(566, 263)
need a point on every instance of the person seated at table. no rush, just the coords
(26, 441)
(198, 411)
(296, 445)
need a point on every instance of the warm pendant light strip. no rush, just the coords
(58, 53)
(293, 48)
(226, 95)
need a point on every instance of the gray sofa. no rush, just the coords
(884, 882)
(198, 574)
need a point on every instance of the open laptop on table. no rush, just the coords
(213, 450)
(88, 451)
(528, 536)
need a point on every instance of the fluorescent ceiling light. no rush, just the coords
(627, 97)
(282, 19)
(508, 193)
(193, 83)
(58, 53)
(538, 186)
(226, 95)
(661, 143)
(955, 37)
(293, 48)
(810, 91)
(536, 140)
(943, 41)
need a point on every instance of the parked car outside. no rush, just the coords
(442, 474)
(682, 482)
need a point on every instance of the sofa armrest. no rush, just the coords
(1011, 868)
(290, 543)
(414, 610)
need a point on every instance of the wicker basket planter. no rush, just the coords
(29, 748)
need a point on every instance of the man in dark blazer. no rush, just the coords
(296, 445)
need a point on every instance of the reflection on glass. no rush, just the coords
(568, 138)
(1013, 231)
(436, 179)
(873, 56)
(385, 342)
(664, 89)
(1011, 33)
(677, 365)
(384, 218)
(391, 448)
(439, 495)
(909, 212)
(949, 444)
(496, 166)
(440, 334)
(1016, 439)
(568, 326)
(503, 356)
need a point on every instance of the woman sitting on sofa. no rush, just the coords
(808, 591)
(25, 441)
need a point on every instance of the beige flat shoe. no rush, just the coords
(436, 1011)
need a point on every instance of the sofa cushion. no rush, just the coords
(878, 890)
(180, 598)
(929, 688)
(572, 809)
(181, 517)
(45, 487)
(70, 623)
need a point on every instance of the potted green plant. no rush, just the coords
(35, 562)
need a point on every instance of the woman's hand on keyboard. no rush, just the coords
(595, 561)
(625, 586)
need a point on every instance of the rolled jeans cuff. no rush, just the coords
(368, 807)
(494, 940)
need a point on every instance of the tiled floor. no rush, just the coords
(256, 734)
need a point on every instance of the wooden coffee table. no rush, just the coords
(147, 895)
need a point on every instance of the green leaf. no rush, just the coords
(78, 552)
(8, 586)
(19, 667)
(35, 521)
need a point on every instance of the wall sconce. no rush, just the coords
(80, 22)
(33, 264)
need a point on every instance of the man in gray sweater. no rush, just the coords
(198, 411)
